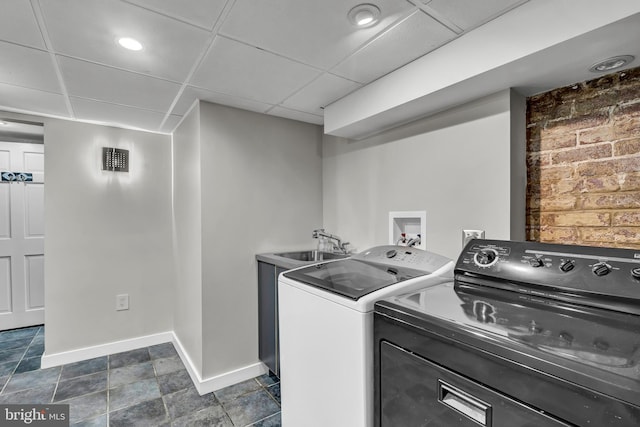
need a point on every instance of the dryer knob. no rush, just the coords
(536, 262)
(635, 273)
(601, 269)
(567, 266)
(391, 253)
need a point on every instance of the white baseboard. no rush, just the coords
(207, 385)
(203, 386)
(57, 359)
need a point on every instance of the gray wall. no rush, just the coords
(456, 166)
(106, 234)
(260, 191)
(187, 236)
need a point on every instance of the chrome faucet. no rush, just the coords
(338, 246)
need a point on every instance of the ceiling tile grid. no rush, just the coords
(287, 58)
(18, 24)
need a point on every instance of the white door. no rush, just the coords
(22, 237)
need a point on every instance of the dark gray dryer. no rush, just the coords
(528, 334)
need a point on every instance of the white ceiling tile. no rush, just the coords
(170, 124)
(18, 24)
(31, 100)
(24, 66)
(468, 14)
(234, 68)
(414, 37)
(88, 80)
(203, 13)
(296, 115)
(89, 29)
(319, 93)
(314, 32)
(86, 109)
(190, 94)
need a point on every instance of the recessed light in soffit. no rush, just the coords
(130, 43)
(611, 63)
(364, 15)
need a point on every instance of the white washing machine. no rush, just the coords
(326, 330)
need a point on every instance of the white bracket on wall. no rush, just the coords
(412, 224)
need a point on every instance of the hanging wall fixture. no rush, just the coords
(115, 159)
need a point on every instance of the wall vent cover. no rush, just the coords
(115, 159)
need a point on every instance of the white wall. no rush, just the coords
(106, 234)
(261, 192)
(187, 236)
(456, 166)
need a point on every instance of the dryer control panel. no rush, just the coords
(403, 256)
(604, 277)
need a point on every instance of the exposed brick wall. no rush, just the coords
(583, 163)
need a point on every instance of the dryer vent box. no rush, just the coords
(115, 159)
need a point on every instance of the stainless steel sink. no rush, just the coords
(309, 256)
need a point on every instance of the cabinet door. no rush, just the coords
(416, 392)
(267, 315)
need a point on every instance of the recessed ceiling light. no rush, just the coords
(364, 15)
(129, 43)
(611, 63)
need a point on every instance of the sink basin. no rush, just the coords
(308, 256)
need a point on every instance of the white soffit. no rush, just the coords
(463, 69)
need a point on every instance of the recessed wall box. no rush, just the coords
(412, 223)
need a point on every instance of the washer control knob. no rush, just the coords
(485, 257)
(391, 253)
(635, 273)
(567, 266)
(601, 269)
(536, 262)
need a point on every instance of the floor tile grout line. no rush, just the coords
(13, 372)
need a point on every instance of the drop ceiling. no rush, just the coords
(287, 58)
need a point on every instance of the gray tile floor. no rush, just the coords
(144, 387)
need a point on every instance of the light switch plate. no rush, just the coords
(122, 302)
(471, 234)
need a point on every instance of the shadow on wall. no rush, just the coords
(583, 163)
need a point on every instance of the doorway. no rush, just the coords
(21, 224)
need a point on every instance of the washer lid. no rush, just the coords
(353, 278)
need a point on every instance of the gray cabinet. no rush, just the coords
(268, 349)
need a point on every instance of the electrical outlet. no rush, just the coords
(122, 302)
(471, 234)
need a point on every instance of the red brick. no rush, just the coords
(581, 154)
(617, 235)
(577, 219)
(557, 139)
(578, 123)
(566, 186)
(630, 181)
(559, 234)
(626, 218)
(600, 168)
(597, 134)
(630, 164)
(554, 174)
(601, 184)
(626, 127)
(562, 203)
(630, 200)
(597, 100)
(628, 146)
